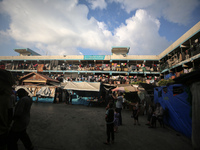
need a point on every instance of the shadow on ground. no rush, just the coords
(70, 127)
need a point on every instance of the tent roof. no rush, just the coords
(83, 86)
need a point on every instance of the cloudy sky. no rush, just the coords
(93, 27)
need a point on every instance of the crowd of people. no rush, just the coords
(15, 118)
(114, 118)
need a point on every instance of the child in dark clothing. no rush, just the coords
(109, 117)
(116, 120)
(135, 115)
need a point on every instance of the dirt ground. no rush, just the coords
(71, 127)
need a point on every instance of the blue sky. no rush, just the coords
(92, 27)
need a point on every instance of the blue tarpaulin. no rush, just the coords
(174, 99)
(80, 101)
(43, 100)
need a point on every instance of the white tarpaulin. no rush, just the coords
(44, 91)
(47, 91)
(83, 86)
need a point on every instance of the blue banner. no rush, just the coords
(94, 57)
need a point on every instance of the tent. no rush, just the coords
(174, 99)
(44, 91)
(125, 89)
(83, 86)
(82, 91)
(192, 80)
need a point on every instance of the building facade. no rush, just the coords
(181, 57)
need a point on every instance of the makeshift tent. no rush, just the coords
(192, 80)
(83, 91)
(44, 91)
(83, 86)
(125, 89)
(174, 99)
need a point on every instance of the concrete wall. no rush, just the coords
(195, 29)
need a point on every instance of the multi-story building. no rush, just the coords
(180, 57)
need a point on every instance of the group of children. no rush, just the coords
(113, 121)
(135, 114)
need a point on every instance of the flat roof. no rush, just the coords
(26, 51)
(122, 50)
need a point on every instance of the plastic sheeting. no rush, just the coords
(44, 100)
(44, 91)
(83, 86)
(174, 99)
(80, 101)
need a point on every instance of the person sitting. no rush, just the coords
(149, 114)
(157, 115)
(100, 100)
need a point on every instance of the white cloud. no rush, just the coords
(63, 24)
(141, 32)
(176, 11)
(180, 11)
(61, 28)
(101, 4)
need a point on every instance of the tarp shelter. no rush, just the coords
(130, 92)
(192, 80)
(83, 90)
(174, 99)
(83, 86)
(125, 89)
(44, 93)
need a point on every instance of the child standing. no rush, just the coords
(116, 120)
(136, 114)
(109, 123)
